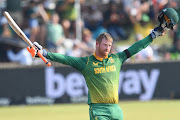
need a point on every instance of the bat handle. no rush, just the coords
(44, 59)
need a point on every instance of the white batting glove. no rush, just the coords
(39, 48)
(156, 32)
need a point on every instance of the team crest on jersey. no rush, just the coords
(111, 60)
(96, 64)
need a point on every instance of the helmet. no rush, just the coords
(168, 17)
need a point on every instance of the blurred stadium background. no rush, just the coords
(149, 82)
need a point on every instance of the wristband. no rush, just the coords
(44, 53)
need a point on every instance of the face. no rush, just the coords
(55, 18)
(104, 47)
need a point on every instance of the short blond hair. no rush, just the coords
(107, 36)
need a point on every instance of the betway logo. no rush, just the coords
(131, 82)
(57, 85)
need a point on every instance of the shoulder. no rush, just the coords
(114, 55)
(119, 55)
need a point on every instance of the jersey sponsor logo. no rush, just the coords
(106, 69)
(96, 64)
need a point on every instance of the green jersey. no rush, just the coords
(101, 74)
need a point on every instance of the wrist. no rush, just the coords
(156, 32)
(153, 35)
(44, 53)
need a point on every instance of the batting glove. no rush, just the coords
(34, 50)
(156, 32)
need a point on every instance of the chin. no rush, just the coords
(106, 53)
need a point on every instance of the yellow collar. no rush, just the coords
(99, 58)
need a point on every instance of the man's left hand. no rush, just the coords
(156, 32)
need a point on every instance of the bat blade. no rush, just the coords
(16, 28)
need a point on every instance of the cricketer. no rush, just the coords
(101, 70)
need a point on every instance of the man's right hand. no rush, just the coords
(34, 50)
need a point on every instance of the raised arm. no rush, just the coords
(77, 63)
(139, 45)
(167, 18)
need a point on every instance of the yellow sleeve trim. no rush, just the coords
(87, 61)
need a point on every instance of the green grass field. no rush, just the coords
(133, 110)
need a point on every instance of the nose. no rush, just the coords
(108, 47)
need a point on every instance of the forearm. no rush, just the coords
(57, 58)
(77, 63)
(139, 45)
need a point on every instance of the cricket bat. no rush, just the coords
(16, 28)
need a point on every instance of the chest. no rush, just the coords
(106, 67)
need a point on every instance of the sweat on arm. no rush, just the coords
(77, 63)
